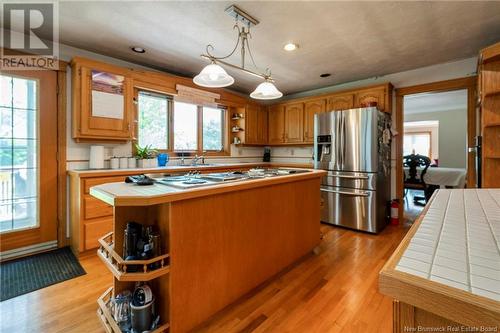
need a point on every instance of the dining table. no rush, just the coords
(442, 176)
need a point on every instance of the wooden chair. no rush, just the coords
(415, 181)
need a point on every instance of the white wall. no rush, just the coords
(452, 135)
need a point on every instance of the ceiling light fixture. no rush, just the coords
(138, 49)
(325, 75)
(214, 76)
(290, 47)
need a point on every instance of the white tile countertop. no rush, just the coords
(458, 242)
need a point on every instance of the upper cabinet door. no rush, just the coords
(262, 123)
(255, 125)
(294, 123)
(251, 124)
(341, 102)
(276, 116)
(310, 109)
(363, 98)
(102, 105)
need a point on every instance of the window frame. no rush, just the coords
(429, 133)
(136, 116)
(170, 118)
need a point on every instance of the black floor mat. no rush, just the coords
(21, 276)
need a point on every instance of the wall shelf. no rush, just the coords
(119, 267)
(107, 320)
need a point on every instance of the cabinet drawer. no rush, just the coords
(93, 208)
(88, 183)
(95, 230)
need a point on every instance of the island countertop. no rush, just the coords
(84, 173)
(128, 194)
(448, 265)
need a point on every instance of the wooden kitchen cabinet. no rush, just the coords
(310, 109)
(364, 97)
(294, 123)
(256, 124)
(276, 116)
(89, 127)
(341, 102)
(90, 218)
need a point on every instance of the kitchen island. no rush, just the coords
(219, 241)
(445, 275)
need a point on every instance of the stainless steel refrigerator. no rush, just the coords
(350, 145)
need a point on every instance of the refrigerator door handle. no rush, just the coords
(350, 177)
(340, 139)
(356, 194)
(343, 146)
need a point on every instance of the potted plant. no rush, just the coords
(145, 156)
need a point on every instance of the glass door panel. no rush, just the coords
(28, 160)
(18, 153)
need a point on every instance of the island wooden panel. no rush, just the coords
(224, 245)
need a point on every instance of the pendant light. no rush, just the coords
(266, 90)
(214, 76)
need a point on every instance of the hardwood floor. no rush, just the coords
(335, 290)
(412, 210)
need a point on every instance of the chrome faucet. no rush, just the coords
(196, 159)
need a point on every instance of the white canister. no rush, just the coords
(123, 162)
(96, 160)
(152, 162)
(132, 163)
(114, 163)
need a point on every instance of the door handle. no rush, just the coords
(349, 177)
(355, 194)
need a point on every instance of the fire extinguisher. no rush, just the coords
(395, 212)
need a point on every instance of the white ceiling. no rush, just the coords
(435, 102)
(351, 40)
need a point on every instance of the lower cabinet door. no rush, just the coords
(94, 230)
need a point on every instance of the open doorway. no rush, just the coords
(436, 125)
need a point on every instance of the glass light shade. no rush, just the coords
(266, 90)
(213, 76)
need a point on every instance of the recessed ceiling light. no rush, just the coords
(138, 49)
(325, 75)
(290, 47)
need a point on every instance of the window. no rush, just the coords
(178, 126)
(153, 127)
(417, 143)
(18, 153)
(198, 128)
(185, 126)
(213, 135)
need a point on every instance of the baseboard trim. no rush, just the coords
(26, 250)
